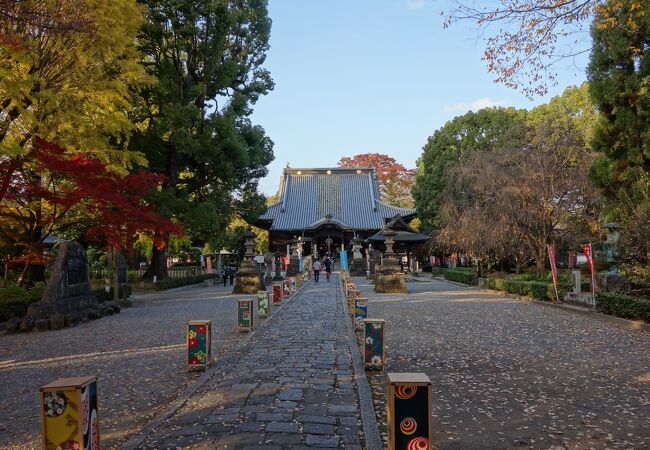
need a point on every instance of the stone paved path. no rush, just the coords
(291, 387)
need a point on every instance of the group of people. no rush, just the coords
(318, 266)
(228, 273)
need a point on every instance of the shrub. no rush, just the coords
(14, 300)
(539, 290)
(624, 306)
(460, 276)
(170, 283)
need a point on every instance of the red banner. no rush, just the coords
(551, 257)
(586, 249)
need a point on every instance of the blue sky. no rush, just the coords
(360, 76)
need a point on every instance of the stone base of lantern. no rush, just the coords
(248, 279)
(294, 267)
(389, 279)
(358, 268)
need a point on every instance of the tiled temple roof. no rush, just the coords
(346, 197)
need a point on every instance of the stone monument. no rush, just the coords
(248, 279)
(67, 298)
(389, 279)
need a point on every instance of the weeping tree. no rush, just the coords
(194, 124)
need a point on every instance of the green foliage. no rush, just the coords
(72, 86)
(618, 72)
(484, 130)
(170, 283)
(624, 306)
(460, 276)
(14, 300)
(539, 290)
(194, 126)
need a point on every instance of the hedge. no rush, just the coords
(14, 300)
(170, 283)
(624, 306)
(539, 290)
(460, 276)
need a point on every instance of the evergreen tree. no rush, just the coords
(194, 124)
(619, 71)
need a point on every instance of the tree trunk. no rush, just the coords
(540, 261)
(158, 266)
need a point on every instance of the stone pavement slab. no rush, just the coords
(290, 387)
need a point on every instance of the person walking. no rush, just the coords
(316, 267)
(224, 275)
(328, 268)
(231, 274)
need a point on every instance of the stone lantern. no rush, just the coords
(248, 279)
(389, 278)
(358, 266)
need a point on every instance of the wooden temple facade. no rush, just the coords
(324, 209)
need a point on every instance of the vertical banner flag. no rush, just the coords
(551, 257)
(586, 249)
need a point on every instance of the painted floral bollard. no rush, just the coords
(305, 277)
(277, 294)
(292, 285)
(373, 338)
(409, 411)
(360, 312)
(199, 342)
(245, 315)
(263, 304)
(354, 294)
(286, 289)
(69, 414)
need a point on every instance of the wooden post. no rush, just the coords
(373, 341)
(199, 343)
(245, 315)
(409, 411)
(69, 414)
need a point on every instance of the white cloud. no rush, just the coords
(415, 4)
(475, 105)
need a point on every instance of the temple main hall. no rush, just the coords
(324, 209)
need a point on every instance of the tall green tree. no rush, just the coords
(619, 73)
(509, 202)
(484, 130)
(194, 125)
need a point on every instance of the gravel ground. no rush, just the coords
(511, 374)
(138, 356)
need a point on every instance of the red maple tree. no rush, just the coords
(51, 190)
(395, 180)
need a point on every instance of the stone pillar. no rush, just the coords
(389, 278)
(248, 279)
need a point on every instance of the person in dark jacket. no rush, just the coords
(224, 275)
(231, 274)
(328, 268)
